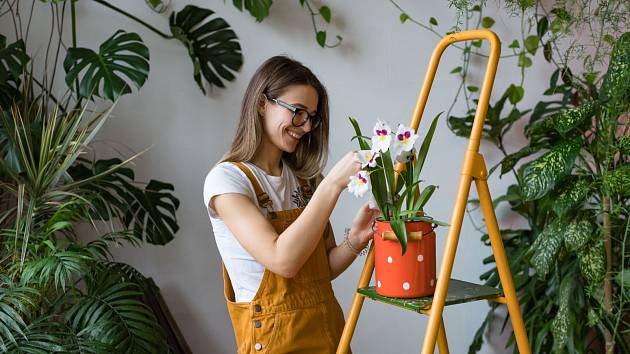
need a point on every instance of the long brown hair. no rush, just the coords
(272, 79)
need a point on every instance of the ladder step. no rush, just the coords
(458, 292)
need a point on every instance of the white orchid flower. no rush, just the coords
(367, 157)
(359, 184)
(403, 142)
(382, 136)
(406, 156)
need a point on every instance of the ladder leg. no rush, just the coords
(441, 339)
(357, 303)
(503, 267)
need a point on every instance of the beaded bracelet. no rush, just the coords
(353, 249)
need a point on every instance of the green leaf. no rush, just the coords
(516, 93)
(424, 147)
(573, 118)
(623, 278)
(617, 181)
(321, 38)
(546, 247)
(615, 90)
(542, 26)
(13, 59)
(540, 176)
(476, 43)
(123, 54)
(487, 22)
(433, 21)
(592, 260)
(561, 328)
(577, 234)
(325, 12)
(398, 226)
(547, 52)
(524, 61)
(472, 88)
(423, 198)
(257, 8)
(531, 44)
(212, 45)
(456, 70)
(570, 196)
(403, 17)
(514, 44)
(508, 162)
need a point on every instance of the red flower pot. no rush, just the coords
(409, 275)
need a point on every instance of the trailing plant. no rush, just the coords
(394, 191)
(569, 262)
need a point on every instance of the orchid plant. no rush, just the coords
(396, 194)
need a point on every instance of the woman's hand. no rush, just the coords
(361, 232)
(347, 166)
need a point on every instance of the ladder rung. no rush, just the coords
(458, 292)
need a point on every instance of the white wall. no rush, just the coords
(375, 73)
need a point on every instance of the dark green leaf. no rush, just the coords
(573, 118)
(542, 26)
(508, 162)
(615, 90)
(617, 181)
(212, 45)
(403, 17)
(123, 54)
(547, 52)
(570, 195)
(321, 38)
(325, 12)
(257, 8)
(13, 59)
(561, 328)
(456, 70)
(487, 22)
(546, 248)
(433, 21)
(472, 88)
(514, 44)
(516, 93)
(398, 226)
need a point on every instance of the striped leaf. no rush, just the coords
(593, 264)
(572, 118)
(615, 91)
(577, 234)
(546, 247)
(540, 176)
(570, 196)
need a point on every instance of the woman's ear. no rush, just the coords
(262, 105)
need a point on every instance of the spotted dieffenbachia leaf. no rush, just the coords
(577, 234)
(546, 247)
(592, 261)
(539, 177)
(562, 321)
(508, 162)
(572, 118)
(617, 181)
(571, 195)
(615, 91)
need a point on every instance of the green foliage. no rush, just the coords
(257, 8)
(212, 45)
(122, 53)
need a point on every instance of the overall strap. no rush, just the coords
(263, 198)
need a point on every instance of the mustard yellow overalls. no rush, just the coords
(297, 315)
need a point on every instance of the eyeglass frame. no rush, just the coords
(314, 123)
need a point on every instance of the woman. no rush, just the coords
(269, 206)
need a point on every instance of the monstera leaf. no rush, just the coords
(257, 8)
(122, 54)
(212, 45)
(12, 61)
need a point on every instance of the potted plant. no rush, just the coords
(404, 240)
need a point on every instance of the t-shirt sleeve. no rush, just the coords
(225, 178)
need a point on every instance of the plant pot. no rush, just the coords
(409, 275)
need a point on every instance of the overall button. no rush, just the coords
(257, 324)
(258, 346)
(257, 308)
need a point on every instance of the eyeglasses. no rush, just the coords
(300, 116)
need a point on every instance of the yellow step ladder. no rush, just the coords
(450, 291)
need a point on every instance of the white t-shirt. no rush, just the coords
(284, 191)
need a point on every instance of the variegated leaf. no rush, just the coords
(577, 234)
(615, 91)
(508, 162)
(571, 195)
(572, 118)
(546, 247)
(540, 176)
(618, 181)
(593, 264)
(623, 144)
(562, 321)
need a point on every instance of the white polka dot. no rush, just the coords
(378, 283)
(432, 282)
(389, 259)
(420, 258)
(406, 286)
